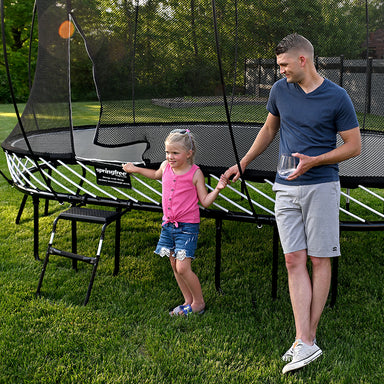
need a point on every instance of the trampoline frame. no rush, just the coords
(80, 192)
(75, 188)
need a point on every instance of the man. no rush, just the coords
(309, 111)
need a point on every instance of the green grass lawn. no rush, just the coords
(125, 335)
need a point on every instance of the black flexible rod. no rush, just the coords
(15, 104)
(227, 109)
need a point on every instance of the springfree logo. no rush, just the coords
(112, 176)
(111, 172)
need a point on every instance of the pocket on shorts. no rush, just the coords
(189, 228)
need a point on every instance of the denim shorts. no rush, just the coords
(180, 241)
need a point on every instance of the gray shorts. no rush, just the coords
(307, 217)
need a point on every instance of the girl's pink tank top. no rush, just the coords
(180, 201)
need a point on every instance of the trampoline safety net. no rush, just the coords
(112, 78)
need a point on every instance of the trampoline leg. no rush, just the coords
(21, 209)
(46, 207)
(74, 243)
(334, 281)
(219, 225)
(36, 227)
(117, 244)
(275, 261)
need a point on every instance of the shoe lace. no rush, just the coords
(297, 346)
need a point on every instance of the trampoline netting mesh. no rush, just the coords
(113, 80)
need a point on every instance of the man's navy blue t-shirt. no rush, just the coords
(309, 124)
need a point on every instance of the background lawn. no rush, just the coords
(125, 335)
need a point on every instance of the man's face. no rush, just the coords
(291, 66)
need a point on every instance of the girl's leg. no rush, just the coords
(182, 285)
(191, 282)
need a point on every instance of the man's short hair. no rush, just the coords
(294, 41)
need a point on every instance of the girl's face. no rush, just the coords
(177, 156)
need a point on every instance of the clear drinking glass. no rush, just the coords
(287, 165)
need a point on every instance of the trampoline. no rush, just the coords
(127, 59)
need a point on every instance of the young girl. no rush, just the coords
(183, 185)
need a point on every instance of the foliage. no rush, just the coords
(334, 40)
(17, 23)
(171, 50)
(376, 15)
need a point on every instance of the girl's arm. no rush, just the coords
(154, 174)
(205, 198)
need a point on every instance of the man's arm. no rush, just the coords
(351, 147)
(263, 139)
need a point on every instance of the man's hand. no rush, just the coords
(234, 170)
(305, 164)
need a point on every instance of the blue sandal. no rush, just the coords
(186, 310)
(177, 310)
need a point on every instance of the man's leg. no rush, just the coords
(321, 281)
(304, 299)
(300, 290)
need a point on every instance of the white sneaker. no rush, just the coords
(303, 354)
(288, 356)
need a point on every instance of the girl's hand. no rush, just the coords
(222, 183)
(129, 167)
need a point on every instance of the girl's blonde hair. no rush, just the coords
(185, 138)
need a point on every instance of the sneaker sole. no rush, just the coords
(299, 364)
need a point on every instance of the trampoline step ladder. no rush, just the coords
(88, 215)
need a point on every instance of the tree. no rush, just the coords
(376, 14)
(17, 26)
(171, 50)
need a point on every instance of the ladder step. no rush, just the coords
(90, 215)
(75, 256)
